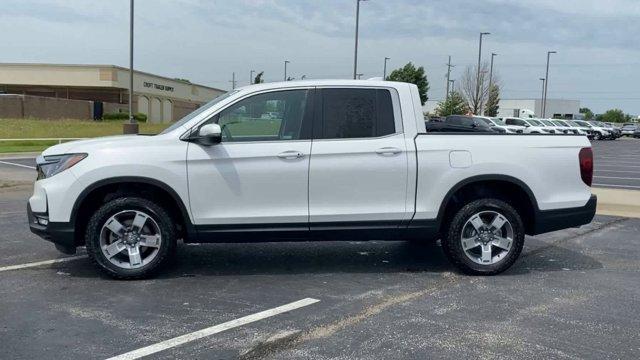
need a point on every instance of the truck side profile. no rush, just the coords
(334, 160)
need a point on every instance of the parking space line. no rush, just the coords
(616, 177)
(167, 344)
(619, 186)
(20, 165)
(40, 263)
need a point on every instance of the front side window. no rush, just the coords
(356, 113)
(278, 115)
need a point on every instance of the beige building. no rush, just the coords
(161, 98)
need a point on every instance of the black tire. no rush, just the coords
(167, 247)
(452, 244)
(597, 136)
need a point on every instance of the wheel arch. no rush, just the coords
(97, 193)
(505, 187)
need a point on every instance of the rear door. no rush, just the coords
(359, 169)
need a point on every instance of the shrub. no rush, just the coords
(124, 116)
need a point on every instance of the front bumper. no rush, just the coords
(552, 220)
(62, 234)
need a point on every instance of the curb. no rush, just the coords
(618, 202)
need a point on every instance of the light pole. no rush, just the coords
(546, 86)
(384, 72)
(453, 86)
(542, 96)
(359, 76)
(251, 77)
(491, 70)
(285, 69)
(478, 75)
(355, 56)
(449, 66)
(130, 127)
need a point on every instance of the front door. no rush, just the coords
(258, 175)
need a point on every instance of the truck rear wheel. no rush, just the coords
(130, 237)
(485, 237)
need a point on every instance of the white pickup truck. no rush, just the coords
(334, 160)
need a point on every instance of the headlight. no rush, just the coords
(54, 164)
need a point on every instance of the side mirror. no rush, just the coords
(209, 134)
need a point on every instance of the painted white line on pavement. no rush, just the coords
(615, 177)
(176, 341)
(620, 186)
(20, 165)
(619, 171)
(40, 263)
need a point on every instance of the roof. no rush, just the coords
(102, 66)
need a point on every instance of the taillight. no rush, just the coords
(586, 165)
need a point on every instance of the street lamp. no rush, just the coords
(285, 69)
(491, 70)
(384, 73)
(542, 96)
(251, 77)
(355, 56)
(546, 86)
(478, 75)
(130, 127)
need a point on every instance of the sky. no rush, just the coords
(205, 41)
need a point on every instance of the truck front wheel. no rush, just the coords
(485, 237)
(130, 237)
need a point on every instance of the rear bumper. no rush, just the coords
(62, 234)
(552, 220)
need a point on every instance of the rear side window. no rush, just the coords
(356, 113)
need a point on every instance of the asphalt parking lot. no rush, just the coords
(572, 294)
(617, 163)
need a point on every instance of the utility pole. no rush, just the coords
(453, 85)
(355, 56)
(233, 80)
(384, 72)
(546, 86)
(251, 77)
(478, 75)
(542, 96)
(359, 76)
(285, 69)
(132, 126)
(449, 66)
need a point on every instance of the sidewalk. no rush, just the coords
(618, 202)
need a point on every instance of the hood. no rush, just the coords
(80, 146)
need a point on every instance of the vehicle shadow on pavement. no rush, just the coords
(340, 257)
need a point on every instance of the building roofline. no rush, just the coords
(108, 66)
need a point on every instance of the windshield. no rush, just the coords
(488, 121)
(197, 112)
(547, 122)
(534, 122)
(559, 123)
(498, 121)
(582, 123)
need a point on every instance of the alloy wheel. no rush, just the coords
(487, 237)
(130, 239)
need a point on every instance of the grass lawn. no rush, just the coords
(35, 128)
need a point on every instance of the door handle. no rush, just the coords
(291, 154)
(388, 151)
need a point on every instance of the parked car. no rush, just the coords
(528, 126)
(497, 124)
(460, 123)
(614, 130)
(373, 172)
(599, 132)
(568, 128)
(636, 134)
(551, 125)
(628, 129)
(580, 127)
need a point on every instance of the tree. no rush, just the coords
(613, 115)
(474, 92)
(259, 79)
(455, 104)
(588, 114)
(491, 108)
(410, 74)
